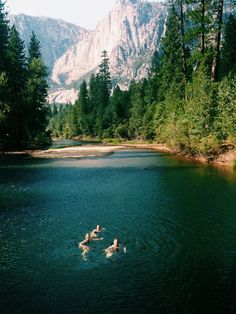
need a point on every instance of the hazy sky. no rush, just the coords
(85, 13)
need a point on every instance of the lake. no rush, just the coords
(177, 219)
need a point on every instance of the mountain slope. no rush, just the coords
(56, 36)
(130, 33)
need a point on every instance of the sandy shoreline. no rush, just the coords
(100, 150)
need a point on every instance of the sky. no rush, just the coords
(85, 13)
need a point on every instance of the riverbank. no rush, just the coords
(225, 160)
(88, 150)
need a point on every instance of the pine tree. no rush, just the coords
(103, 83)
(4, 36)
(16, 87)
(172, 72)
(138, 109)
(225, 122)
(155, 66)
(180, 6)
(34, 48)
(219, 4)
(4, 105)
(199, 23)
(83, 111)
(228, 64)
(153, 79)
(36, 95)
(119, 106)
(198, 108)
(54, 110)
(4, 108)
(93, 103)
(104, 71)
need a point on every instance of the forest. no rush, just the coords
(187, 101)
(23, 90)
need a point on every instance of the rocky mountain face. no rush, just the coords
(130, 33)
(56, 36)
(62, 95)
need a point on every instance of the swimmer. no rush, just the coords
(94, 235)
(85, 248)
(113, 248)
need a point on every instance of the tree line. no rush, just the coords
(23, 90)
(188, 99)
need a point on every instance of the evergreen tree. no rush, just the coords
(4, 105)
(36, 95)
(180, 103)
(34, 48)
(138, 109)
(228, 64)
(103, 83)
(225, 121)
(171, 67)
(219, 10)
(153, 79)
(17, 134)
(4, 108)
(54, 110)
(119, 106)
(104, 71)
(93, 103)
(4, 36)
(155, 66)
(199, 114)
(199, 23)
(83, 109)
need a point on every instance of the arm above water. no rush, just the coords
(81, 244)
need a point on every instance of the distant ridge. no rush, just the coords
(55, 35)
(131, 32)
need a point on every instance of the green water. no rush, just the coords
(178, 220)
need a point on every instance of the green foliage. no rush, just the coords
(4, 36)
(171, 67)
(137, 110)
(34, 48)
(225, 121)
(36, 92)
(17, 133)
(82, 111)
(228, 64)
(23, 90)
(104, 71)
(121, 131)
(179, 103)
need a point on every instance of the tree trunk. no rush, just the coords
(203, 26)
(216, 59)
(183, 38)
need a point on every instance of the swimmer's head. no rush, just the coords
(116, 242)
(98, 228)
